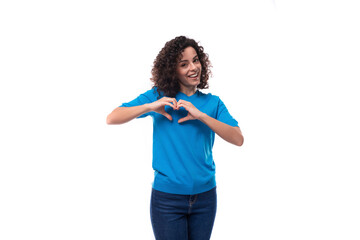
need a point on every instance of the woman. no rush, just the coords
(183, 198)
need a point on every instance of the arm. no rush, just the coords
(122, 115)
(228, 133)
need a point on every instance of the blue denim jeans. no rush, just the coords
(183, 217)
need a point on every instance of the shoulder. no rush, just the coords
(152, 93)
(209, 97)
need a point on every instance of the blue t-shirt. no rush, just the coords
(182, 152)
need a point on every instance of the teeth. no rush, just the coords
(194, 75)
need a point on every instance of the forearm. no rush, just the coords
(225, 131)
(122, 115)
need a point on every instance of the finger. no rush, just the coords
(171, 100)
(177, 105)
(184, 119)
(183, 101)
(182, 105)
(174, 102)
(169, 104)
(167, 116)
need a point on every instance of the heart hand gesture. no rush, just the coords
(193, 112)
(159, 106)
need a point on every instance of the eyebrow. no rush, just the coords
(187, 60)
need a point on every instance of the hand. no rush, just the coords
(159, 106)
(193, 112)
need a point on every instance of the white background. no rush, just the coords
(286, 70)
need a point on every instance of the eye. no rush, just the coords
(183, 65)
(196, 60)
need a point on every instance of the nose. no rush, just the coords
(192, 66)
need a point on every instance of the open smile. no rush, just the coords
(195, 75)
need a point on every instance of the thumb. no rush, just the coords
(184, 119)
(167, 116)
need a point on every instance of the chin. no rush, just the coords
(195, 84)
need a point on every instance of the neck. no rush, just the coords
(188, 91)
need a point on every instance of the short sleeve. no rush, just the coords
(224, 116)
(147, 97)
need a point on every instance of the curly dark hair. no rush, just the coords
(164, 70)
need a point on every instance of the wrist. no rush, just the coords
(202, 116)
(148, 107)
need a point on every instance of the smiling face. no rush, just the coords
(188, 70)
